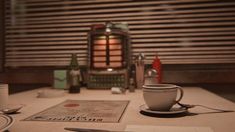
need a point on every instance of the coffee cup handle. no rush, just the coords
(181, 95)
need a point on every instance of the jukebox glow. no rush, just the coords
(109, 55)
(107, 52)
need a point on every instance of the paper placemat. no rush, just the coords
(83, 111)
(149, 128)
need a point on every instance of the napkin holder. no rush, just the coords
(60, 79)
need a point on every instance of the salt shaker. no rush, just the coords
(150, 77)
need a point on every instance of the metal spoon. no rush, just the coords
(11, 110)
(89, 130)
(189, 106)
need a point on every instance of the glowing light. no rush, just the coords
(110, 69)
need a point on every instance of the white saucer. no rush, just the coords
(173, 110)
(5, 122)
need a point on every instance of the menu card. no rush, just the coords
(83, 111)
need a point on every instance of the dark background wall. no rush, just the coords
(1, 34)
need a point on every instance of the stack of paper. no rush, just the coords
(148, 128)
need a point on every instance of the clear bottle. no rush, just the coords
(131, 85)
(132, 82)
(74, 75)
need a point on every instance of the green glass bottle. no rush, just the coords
(74, 75)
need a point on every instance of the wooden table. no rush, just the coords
(219, 122)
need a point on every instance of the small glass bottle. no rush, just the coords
(132, 82)
(74, 75)
(131, 85)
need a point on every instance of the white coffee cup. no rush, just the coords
(3, 95)
(161, 97)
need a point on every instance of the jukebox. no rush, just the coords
(109, 56)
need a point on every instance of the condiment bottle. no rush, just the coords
(157, 65)
(74, 75)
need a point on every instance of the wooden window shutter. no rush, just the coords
(46, 32)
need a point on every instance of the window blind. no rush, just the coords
(46, 32)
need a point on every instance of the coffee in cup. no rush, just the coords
(161, 97)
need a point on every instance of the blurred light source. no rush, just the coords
(108, 29)
(110, 69)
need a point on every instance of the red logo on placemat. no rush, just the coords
(71, 105)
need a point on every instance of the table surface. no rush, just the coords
(218, 122)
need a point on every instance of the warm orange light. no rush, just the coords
(102, 41)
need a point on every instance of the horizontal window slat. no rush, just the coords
(44, 59)
(184, 39)
(161, 26)
(183, 34)
(47, 52)
(129, 22)
(93, 6)
(36, 64)
(186, 61)
(42, 36)
(83, 57)
(129, 18)
(189, 61)
(27, 42)
(133, 33)
(87, 2)
(165, 53)
(184, 49)
(134, 45)
(198, 57)
(82, 39)
(154, 44)
(56, 2)
(113, 10)
(123, 14)
(182, 25)
(15, 56)
(193, 50)
(79, 47)
(152, 53)
(182, 30)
